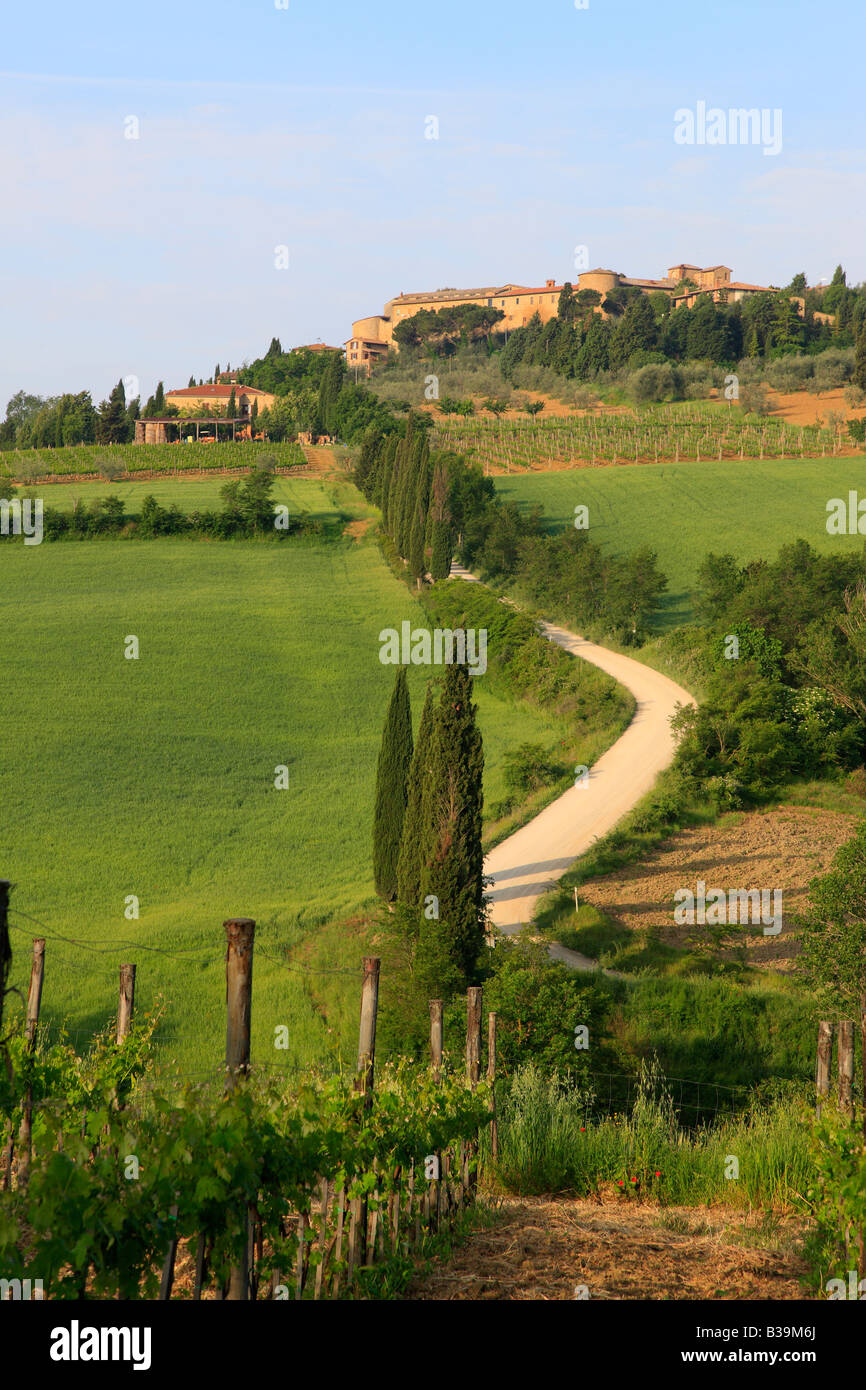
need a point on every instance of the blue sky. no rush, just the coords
(304, 127)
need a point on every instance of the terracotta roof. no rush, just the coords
(219, 392)
(656, 284)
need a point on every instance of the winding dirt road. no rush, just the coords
(532, 860)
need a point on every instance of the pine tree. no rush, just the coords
(450, 854)
(411, 844)
(216, 374)
(191, 382)
(392, 777)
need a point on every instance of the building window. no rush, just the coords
(517, 301)
(490, 303)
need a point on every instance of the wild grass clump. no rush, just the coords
(551, 1139)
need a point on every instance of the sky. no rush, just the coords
(183, 182)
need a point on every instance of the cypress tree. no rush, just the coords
(392, 776)
(232, 407)
(411, 845)
(383, 486)
(159, 399)
(415, 556)
(408, 494)
(440, 525)
(329, 390)
(440, 562)
(397, 494)
(451, 858)
(860, 360)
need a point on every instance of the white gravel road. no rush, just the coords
(532, 860)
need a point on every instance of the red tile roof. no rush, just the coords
(220, 392)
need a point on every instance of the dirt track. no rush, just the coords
(551, 1249)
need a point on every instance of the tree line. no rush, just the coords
(644, 329)
(312, 389)
(781, 652)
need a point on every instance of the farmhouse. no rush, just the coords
(193, 397)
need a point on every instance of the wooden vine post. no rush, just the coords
(845, 1055)
(473, 1076)
(240, 935)
(822, 1074)
(491, 1078)
(436, 1187)
(364, 1083)
(34, 1000)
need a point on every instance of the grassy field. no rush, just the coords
(322, 498)
(155, 777)
(152, 458)
(686, 510)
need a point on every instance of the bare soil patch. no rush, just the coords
(805, 408)
(543, 1248)
(783, 848)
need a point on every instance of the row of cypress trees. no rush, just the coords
(395, 472)
(427, 853)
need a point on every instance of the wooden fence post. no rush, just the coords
(240, 935)
(822, 1077)
(367, 1032)
(34, 1000)
(473, 1037)
(364, 1083)
(5, 948)
(846, 1067)
(126, 1002)
(491, 1077)
(863, 1063)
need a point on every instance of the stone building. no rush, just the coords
(373, 337)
